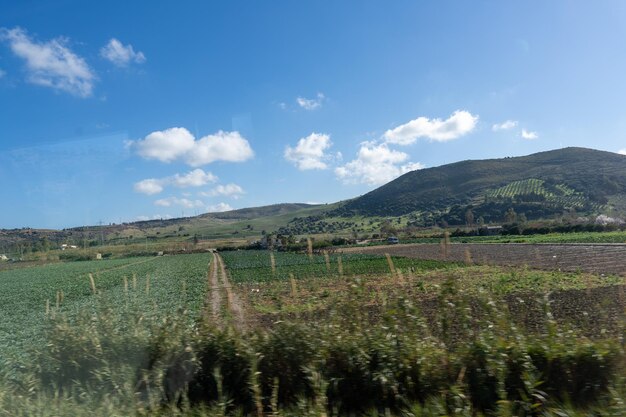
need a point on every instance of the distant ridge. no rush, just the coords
(538, 185)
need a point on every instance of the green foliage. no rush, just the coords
(255, 265)
(25, 293)
(546, 184)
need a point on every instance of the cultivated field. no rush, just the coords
(596, 258)
(31, 297)
(272, 333)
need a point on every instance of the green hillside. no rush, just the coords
(538, 185)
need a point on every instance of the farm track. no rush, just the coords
(218, 281)
(598, 258)
(214, 286)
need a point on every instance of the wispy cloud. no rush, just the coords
(178, 144)
(120, 54)
(51, 64)
(526, 134)
(311, 103)
(507, 125)
(375, 165)
(153, 217)
(195, 178)
(181, 202)
(2, 73)
(228, 190)
(622, 151)
(460, 123)
(310, 152)
(219, 207)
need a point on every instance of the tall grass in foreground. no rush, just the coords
(459, 364)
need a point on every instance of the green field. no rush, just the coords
(182, 336)
(256, 266)
(26, 293)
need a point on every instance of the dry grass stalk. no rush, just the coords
(340, 266)
(58, 302)
(147, 284)
(468, 257)
(125, 285)
(294, 286)
(400, 276)
(47, 308)
(327, 259)
(273, 263)
(134, 281)
(445, 245)
(392, 267)
(309, 244)
(92, 282)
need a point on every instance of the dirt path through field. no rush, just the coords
(593, 258)
(234, 303)
(214, 287)
(218, 281)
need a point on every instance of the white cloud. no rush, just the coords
(121, 55)
(51, 64)
(529, 135)
(222, 146)
(195, 178)
(376, 164)
(166, 145)
(175, 201)
(310, 103)
(458, 124)
(228, 190)
(509, 124)
(622, 151)
(218, 208)
(2, 73)
(149, 186)
(178, 144)
(309, 153)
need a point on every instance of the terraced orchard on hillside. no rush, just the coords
(535, 188)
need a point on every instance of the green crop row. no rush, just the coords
(256, 266)
(154, 285)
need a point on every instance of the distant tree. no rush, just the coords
(510, 216)
(386, 229)
(469, 218)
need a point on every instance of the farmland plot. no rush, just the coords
(156, 287)
(601, 259)
(262, 266)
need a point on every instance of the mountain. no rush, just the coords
(263, 211)
(538, 185)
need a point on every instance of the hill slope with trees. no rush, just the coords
(538, 185)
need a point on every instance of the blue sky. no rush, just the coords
(118, 111)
